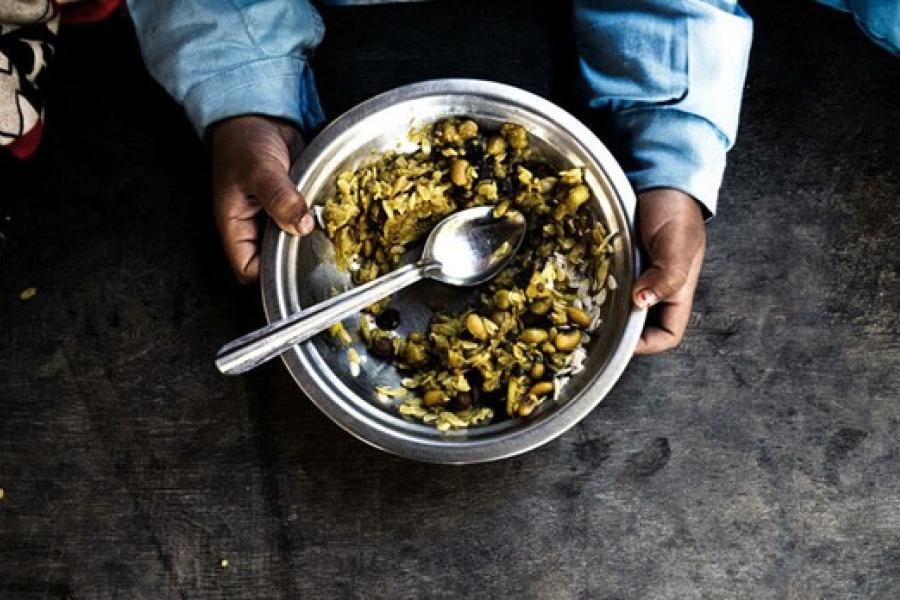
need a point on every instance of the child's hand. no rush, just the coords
(251, 158)
(674, 235)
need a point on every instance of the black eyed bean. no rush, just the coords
(383, 347)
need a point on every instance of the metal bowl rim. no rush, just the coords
(453, 451)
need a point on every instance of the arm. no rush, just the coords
(227, 60)
(667, 76)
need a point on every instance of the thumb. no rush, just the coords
(665, 276)
(670, 263)
(673, 234)
(279, 196)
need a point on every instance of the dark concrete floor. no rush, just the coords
(759, 460)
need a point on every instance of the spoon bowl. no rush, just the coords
(472, 246)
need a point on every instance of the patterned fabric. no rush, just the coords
(28, 31)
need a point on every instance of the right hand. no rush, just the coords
(251, 158)
(673, 233)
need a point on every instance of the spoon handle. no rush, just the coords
(255, 348)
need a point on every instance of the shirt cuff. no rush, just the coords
(674, 149)
(281, 87)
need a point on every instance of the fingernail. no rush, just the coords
(306, 224)
(647, 298)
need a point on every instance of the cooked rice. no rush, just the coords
(519, 345)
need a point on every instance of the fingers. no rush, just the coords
(669, 319)
(235, 215)
(674, 236)
(673, 319)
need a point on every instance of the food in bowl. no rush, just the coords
(516, 348)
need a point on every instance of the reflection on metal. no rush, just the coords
(298, 273)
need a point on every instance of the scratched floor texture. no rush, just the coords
(759, 460)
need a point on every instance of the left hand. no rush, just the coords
(673, 234)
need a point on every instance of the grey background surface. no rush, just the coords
(759, 460)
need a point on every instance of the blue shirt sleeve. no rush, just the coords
(670, 77)
(879, 19)
(221, 58)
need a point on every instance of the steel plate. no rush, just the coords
(298, 272)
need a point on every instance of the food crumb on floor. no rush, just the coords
(28, 293)
(2, 494)
(224, 563)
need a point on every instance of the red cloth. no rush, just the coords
(26, 145)
(90, 11)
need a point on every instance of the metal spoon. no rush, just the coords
(466, 248)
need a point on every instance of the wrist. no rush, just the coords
(672, 201)
(248, 129)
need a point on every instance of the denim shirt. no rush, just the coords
(667, 74)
